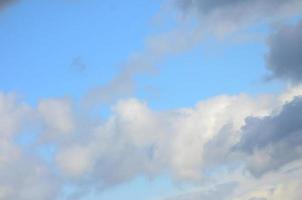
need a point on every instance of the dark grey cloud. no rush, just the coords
(272, 142)
(285, 53)
(206, 7)
(5, 3)
(224, 16)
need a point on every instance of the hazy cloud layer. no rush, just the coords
(284, 58)
(221, 192)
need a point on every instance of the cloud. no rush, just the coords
(157, 141)
(226, 16)
(13, 115)
(284, 58)
(275, 187)
(23, 176)
(6, 3)
(57, 117)
(135, 140)
(236, 185)
(273, 141)
(216, 18)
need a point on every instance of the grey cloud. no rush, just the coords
(214, 156)
(272, 142)
(224, 16)
(208, 6)
(285, 53)
(231, 7)
(5, 3)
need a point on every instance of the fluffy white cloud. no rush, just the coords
(22, 175)
(57, 116)
(13, 114)
(134, 140)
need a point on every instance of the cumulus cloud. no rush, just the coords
(136, 140)
(12, 115)
(157, 141)
(284, 58)
(275, 140)
(57, 117)
(23, 176)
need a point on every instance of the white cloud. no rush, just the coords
(134, 140)
(57, 116)
(22, 175)
(13, 114)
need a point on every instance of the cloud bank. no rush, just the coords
(135, 140)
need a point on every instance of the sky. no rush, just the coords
(151, 100)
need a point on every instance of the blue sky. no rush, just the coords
(42, 39)
(173, 85)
